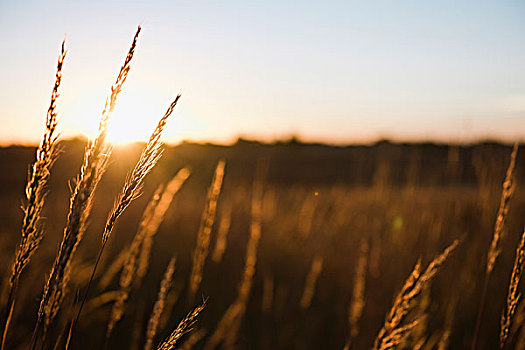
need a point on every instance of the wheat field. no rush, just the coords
(258, 245)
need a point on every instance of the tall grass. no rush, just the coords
(32, 226)
(130, 191)
(444, 338)
(185, 326)
(150, 225)
(204, 234)
(357, 304)
(311, 282)
(228, 326)
(222, 234)
(513, 296)
(499, 231)
(117, 264)
(138, 254)
(158, 308)
(94, 165)
(393, 331)
(289, 226)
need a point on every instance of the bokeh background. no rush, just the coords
(385, 129)
(337, 72)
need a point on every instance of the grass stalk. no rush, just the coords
(158, 308)
(32, 230)
(149, 224)
(311, 282)
(93, 167)
(185, 326)
(228, 326)
(204, 234)
(357, 302)
(499, 231)
(513, 296)
(222, 234)
(390, 335)
(130, 191)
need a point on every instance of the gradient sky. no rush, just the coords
(333, 71)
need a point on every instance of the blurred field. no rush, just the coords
(407, 201)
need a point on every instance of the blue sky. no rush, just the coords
(335, 71)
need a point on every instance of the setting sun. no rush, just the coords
(313, 175)
(134, 118)
(132, 123)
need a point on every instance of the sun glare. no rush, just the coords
(132, 123)
(129, 127)
(135, 122)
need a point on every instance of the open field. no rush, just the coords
(111, 238)
(324, 209)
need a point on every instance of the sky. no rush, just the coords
(329, 71)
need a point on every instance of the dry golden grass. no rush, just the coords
(134, 182)
(149, 226)
(392, 333)
(118, 263)
(204, 234)
(95, 161)
(184, 327)
(32, 227)
(158, 308)
(139, 252)
(499, 231)
(311, 281)
(306, 215)
(228, 327)
(171, 300)
(357, 304)
(300, 222)
(513, 295)
(499, 226)
(130, 191)
(418, 337)
(222, 234)
(444, 339)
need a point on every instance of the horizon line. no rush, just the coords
(294, 139)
